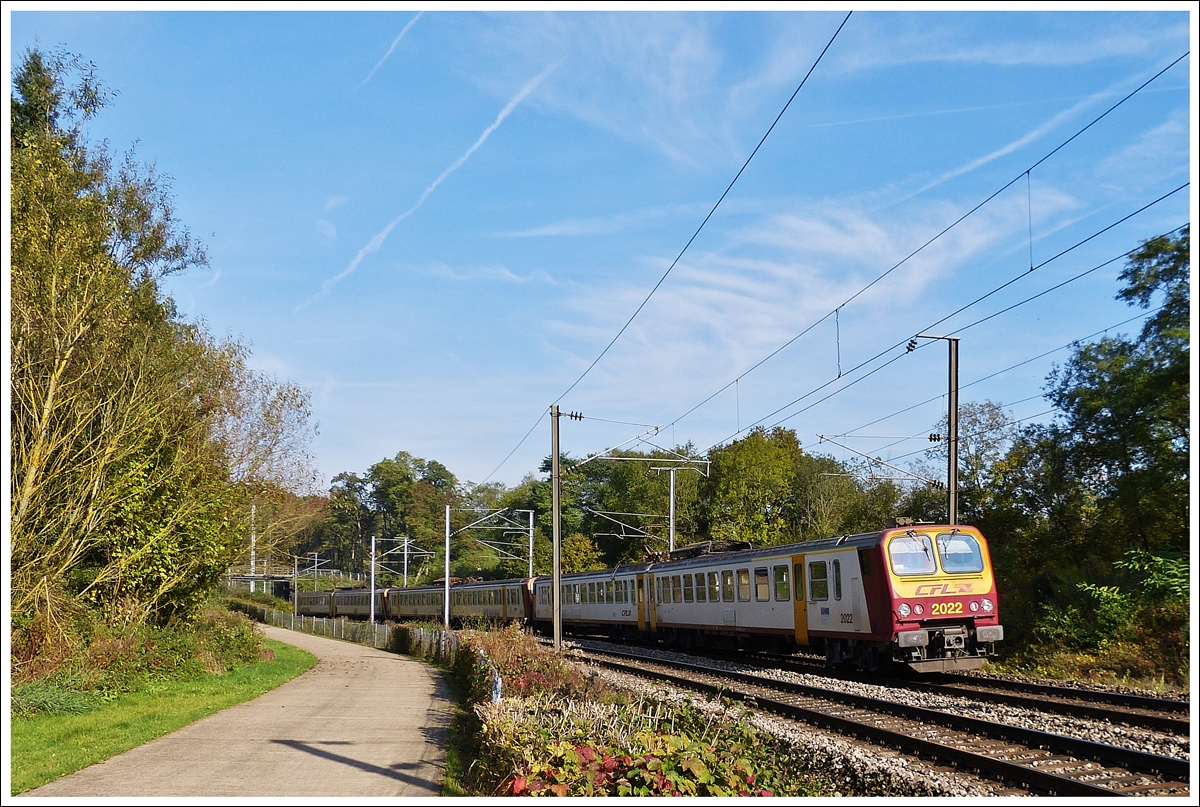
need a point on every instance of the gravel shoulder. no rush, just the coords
(362, 722)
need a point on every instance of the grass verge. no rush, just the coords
(48, 746)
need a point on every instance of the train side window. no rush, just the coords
(608, 592)
(782, 590)
(818, 580)
(727, 585)
(714, 587)
(743, 578)
(676, 589)
(837, 579)
(762, 585)
(687, 588)
(700, 588)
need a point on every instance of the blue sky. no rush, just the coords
(436, 223)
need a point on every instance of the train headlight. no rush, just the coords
(987, 606)
(920, 609)
(905, 610)
(974, 605)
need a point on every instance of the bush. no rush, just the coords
(561, 730)
(115, 661)
(550, 744)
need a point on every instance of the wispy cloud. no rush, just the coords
(375, 243)
(395, 42)
(334, 202)
(605, 225)
(325, 228)
(1029, 137)
(212, 281)
(883, 41)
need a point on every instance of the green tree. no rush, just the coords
(127, 495)
(1125, 405)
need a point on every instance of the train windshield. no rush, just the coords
(912, 554)
(960, 553)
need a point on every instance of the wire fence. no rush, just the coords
(438, 646)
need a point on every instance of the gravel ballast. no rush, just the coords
(852, 768)
(1099, 731)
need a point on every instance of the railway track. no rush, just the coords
(1037, 761)
(1159, 714)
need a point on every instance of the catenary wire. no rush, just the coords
(919, 249)
(960, 330)
(1005, 370)
(710, 213)
(685, 247)
(977, 300)
(808, 329)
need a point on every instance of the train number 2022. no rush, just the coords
(946, 608)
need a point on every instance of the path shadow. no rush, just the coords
(391, 773)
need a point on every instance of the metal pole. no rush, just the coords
(372, 596)
(295, 583)
(253, 547)
(557, 529)
(952, 422)
(671, 539)
(531, 543)
(446, 592)
(406, 561)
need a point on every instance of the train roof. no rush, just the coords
(701, 557)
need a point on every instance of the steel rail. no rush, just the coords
(967, 686)
(1086, 749)
(1115, 698)
(996, 768)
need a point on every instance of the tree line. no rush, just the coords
(139, 440)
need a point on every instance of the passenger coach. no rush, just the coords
(923, 596)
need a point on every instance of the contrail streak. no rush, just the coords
(395, 42)
(375, 243)
(1025, 140)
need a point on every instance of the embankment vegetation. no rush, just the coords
(559, 730)
(140, 441)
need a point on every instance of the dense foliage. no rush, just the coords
(1089, 517)
(562, 731)
(138, 440)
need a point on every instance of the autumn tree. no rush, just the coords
(125, 495)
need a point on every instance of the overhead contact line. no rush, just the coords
(685, 246)
(976, 301)
(936, 237)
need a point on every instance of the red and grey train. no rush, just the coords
(922, 596)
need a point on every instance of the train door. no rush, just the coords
(504, 603)
(640, 602)
(799, 601)
(651, 603)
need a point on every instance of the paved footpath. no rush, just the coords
(361, 722)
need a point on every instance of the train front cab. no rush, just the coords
(944, 604)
